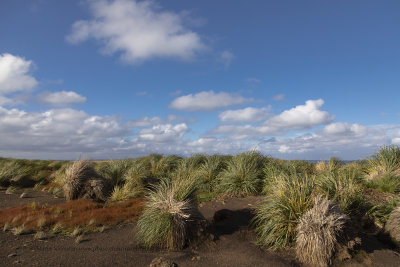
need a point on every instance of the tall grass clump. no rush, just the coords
(242, 175)
(82, 181)
(343, 187)
(382, 212)
(161, 166)
(208, 172)
(388, 182)
(277, 218)
(169, 214)
(386, 160)
(279, 168)
(332, 165)
(318, 231)
(14, 173)
(115, 170)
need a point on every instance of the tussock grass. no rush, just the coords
(208, 172)
(318, 231)
(15, 174)
(160, 166)
(115, 170)
(343, 187)
(242, 175)
(382, 212)
(118, 194)
(19, 230)
(169, 212)
(40, 235)
(386, 160)
(82, 181)
(332, 165)
(277, 218)
(387, 182)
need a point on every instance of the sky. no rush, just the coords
(109, 79)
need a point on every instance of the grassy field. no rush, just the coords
(162, 193)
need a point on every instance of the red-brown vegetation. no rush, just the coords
(77, 213)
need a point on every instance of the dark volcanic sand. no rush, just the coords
(234, 244)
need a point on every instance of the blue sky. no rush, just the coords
(124, 78)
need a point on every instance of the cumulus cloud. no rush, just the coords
(164, 133)
(138, 30)
(63, 97)
(343, 128)
(14, 74)
(62, 130)
(301, 117)
(249, 114)
(207, 101)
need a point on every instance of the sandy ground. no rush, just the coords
(233, 245)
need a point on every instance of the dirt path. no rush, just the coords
(233, 245)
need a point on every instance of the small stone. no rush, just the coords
(162, 262)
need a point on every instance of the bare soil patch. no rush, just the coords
(14, 200)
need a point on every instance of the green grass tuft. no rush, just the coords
(242, 175)
(277, 218)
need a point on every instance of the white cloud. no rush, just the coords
(249, 114)
(301, 117)
(56, 130)
(138, 30)
(63, 97)
(343, 128)
(14, 74)
(279, 97)
(347, 141)
(164, 133)
(207, 100)
(226, 58)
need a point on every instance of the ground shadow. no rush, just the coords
(226, 222)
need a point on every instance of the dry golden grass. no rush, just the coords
(317, 233)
